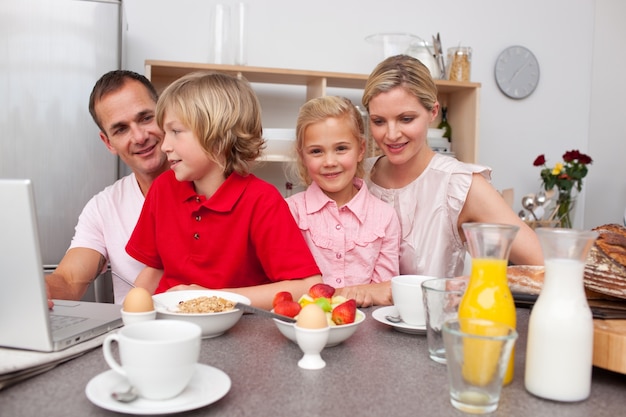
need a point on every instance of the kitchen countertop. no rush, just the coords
(377, 372)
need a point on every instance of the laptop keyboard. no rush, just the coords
(60, 322)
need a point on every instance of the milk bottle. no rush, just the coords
(559, 351)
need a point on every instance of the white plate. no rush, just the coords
(379, 315)
(206, 387)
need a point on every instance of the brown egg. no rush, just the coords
(312, 317)
(138, 300)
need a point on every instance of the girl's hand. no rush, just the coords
(367, 295)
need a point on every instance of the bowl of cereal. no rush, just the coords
(214, 311)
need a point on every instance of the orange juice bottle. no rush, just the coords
(488, 295)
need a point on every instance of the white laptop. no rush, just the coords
(25, 320)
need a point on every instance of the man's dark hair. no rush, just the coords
(113, 81)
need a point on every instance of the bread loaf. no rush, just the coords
(525, 278)
(605, 271)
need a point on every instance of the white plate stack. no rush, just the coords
(438, 143)
(279, 144)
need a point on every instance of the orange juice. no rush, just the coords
(487, 297)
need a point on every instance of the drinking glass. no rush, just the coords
(477, 352)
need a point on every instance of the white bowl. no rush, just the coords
(435, 133)
(279, 142)
(393, 43)
(212, 324)
(337, 334)
(439, 144)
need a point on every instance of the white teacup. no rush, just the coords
(158, 357)
(406, 291)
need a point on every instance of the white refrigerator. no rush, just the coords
(51, 54)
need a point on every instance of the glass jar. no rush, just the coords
(423, 51)
(459, 63)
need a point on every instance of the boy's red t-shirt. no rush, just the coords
(244, 235)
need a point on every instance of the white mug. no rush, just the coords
(406, 291)
(158, 357)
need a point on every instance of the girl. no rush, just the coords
(208, 222)
(354, 236)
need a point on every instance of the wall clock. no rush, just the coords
(517, 72)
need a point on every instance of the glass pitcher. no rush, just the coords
(559, 350)
(488, 295)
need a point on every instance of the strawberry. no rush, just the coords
(344, 313)
(282, 296)
(287, 308)
(321, 290)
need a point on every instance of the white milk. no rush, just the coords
(559, 350)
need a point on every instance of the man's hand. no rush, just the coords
(50, 303)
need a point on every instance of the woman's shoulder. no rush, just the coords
(453, 165)
(369, 163)
(374, 202)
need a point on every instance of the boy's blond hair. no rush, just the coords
(224, 114)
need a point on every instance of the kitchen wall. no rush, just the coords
(578, 104)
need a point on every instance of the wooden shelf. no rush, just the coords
(461, 98)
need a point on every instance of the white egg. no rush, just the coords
(138, 300)
(312, 317)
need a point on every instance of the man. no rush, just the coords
(123, 105)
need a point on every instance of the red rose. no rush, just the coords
(575, 155)
(571, 156)
(585, 159)
(541, 159)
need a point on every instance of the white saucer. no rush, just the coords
(379, 315)
(206, 387)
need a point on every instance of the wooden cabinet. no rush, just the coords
(461, 98)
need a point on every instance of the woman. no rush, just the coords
(433, 194)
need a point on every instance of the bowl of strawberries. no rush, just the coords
(342, 315)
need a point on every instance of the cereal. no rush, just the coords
(205, 304)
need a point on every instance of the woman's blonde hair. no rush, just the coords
(317, 110)
(404, 71)
(224, 114)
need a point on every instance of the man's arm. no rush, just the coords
(78, 268)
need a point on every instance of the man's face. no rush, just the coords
(130, 129)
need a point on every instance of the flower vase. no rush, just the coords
(565, 208)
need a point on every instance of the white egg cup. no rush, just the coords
(132, 317)
(312, 342)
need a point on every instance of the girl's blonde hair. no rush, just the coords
(319, 109)
(224, 114)
(404, 71)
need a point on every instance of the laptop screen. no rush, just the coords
(24, 309)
